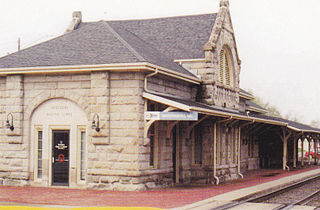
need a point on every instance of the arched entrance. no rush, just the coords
(58, 143)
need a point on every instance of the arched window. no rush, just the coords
(225, 67)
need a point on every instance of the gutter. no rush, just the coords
(122, 67)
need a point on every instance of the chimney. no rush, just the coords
(76, 20)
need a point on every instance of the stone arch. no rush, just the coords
(47, 95)
(56, 114)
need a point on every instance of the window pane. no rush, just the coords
(39, 154)
(83, 156)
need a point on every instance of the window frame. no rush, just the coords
(36, 153)
(80, 130)
(226, 67)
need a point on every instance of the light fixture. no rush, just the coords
(8, 124)
(95, 124)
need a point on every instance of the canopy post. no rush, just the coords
(285, 138)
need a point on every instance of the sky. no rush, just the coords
(278, 40)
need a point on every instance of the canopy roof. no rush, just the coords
(188, 105)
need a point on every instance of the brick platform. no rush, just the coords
(161, 198)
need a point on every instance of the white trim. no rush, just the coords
(80, 129)
(165, 101)
(72, 68)
(255, 109)
(98, 67)
(35, 138)
(190, 60)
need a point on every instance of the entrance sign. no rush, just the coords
(61, 146)
(181, 116)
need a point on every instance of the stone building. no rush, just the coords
(136, 104)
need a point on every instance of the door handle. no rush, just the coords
(52, 159)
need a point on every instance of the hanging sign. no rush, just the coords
(61, 146)
(181, 116)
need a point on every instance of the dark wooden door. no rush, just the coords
(60, 159)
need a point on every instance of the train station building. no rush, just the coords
(135, 105)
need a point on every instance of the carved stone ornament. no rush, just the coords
(224, 3)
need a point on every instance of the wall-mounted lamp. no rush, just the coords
(8, 124)
(95, 122)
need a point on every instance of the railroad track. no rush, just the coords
(274, 193)
(302, 201)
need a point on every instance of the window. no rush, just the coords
(83, 155)
(151, 137)
(197, 146)
(39, 151)
(225, 67)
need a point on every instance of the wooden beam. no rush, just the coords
(170, 127)
(190, 127)
(285, 138)
(295, 141)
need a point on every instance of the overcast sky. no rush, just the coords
(278, 40)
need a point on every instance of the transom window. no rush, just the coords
(225, 67)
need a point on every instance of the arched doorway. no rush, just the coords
(58, 143)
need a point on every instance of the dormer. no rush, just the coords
(221, 74)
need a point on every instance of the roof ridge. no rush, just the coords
(162, 17)
(124, 42)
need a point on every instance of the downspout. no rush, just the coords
(239, 153)
(215, 149)
(239, 148)
(146, 82)
(214, 154)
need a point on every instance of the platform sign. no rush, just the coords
(180, 116)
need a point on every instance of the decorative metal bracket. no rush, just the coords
(148, 124)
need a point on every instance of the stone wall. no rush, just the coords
(116, 164)
(113, 153)
(171, 87)
(249, 151)
(14, 153)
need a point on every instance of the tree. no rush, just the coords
(315, 123)
(272, 110)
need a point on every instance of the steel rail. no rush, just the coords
(302, 201)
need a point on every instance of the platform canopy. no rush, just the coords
(201, 108)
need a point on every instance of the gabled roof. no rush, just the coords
(157, 41)
(181, 37)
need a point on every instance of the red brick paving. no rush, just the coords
(161, 198)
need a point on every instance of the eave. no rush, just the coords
(121, 67)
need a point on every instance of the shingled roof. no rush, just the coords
(158, 41)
